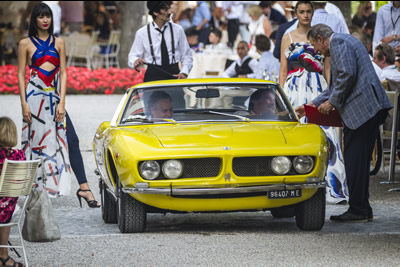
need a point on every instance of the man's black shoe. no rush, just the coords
(349, 217)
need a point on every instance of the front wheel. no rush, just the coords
(310, 214)
(132, 215)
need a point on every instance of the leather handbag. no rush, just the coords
(40, 224)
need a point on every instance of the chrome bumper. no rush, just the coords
(217, 191)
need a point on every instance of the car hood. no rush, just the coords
(213, 135)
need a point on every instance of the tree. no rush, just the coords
(345, 7)
(132, 13)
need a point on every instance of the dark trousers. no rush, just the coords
(233, 30)
(358, 146)
(75, 156)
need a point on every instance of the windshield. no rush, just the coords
(219, 102)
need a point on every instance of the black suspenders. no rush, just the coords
(151, 44)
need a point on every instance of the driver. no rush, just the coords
(160, 105)
(262, 102)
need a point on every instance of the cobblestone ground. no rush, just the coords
(205, 239)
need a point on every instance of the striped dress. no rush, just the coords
(45, 138)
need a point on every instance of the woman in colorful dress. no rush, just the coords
(8, 140)
(43, 108)
(301, 79)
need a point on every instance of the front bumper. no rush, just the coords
(221, 191)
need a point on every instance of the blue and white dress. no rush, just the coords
(303, 84)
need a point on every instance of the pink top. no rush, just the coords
(7, 204)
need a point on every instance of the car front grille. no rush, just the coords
(206, 167)
(252, 166)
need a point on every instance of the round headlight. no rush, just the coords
(303, 164)
(150, 169)
(172, 169)
(281, 165)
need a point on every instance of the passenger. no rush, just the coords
(160, 105)
(262, 103)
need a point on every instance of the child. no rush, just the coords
(192, 36)
(8, 140)
(215, 40)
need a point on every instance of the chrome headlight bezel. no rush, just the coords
(281, 165)
(150, 169)
(172, 169)
(300, 164)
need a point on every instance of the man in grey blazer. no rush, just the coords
(357, 93)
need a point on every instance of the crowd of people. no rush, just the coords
(223, 25)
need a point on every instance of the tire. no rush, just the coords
(378, 156)
(284, 212)
(310, 214)
(108, 205)
(132, 216)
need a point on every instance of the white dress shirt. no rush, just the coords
(141, 46)
(231, 71)
(267, 62)
(377, 69)
(391, 73)
(236, 9)
(321, 16)
(334, 10)
(386, 17)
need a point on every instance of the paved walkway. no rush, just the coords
(205, 239)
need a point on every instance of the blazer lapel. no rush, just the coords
(331, 65)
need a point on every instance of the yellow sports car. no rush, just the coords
(209, 145)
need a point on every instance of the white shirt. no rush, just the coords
(279, 8)
(377, 69)
(56, 9)
(391, 73)
(236, 9)
(231, 71)
(334, 10)
(322, 16)
(141, 46)
(387, 15)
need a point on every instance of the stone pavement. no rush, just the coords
(172, 238)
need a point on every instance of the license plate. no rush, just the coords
(293, 193)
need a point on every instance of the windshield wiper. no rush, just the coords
(230, 115)
(222, 113)
(137, 120)
(170, 120)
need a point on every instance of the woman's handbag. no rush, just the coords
(40, 224)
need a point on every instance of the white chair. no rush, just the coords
(17, 178)
(82, 47)
(110, 57)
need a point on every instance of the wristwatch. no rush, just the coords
(395, 37)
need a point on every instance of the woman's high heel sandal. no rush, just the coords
(91, 203)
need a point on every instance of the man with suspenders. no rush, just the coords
(161, 45)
